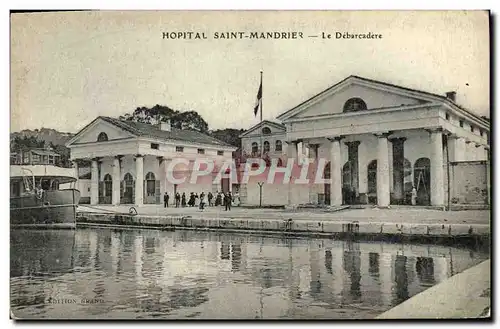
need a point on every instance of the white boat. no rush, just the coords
(43, 196)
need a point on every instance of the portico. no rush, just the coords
(131, 162)
(380, 141)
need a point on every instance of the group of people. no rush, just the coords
(201, 200)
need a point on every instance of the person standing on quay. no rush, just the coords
(165, 200)
(210, 197)
(202, 201)
(177, 199)
(183, 199)
(227, 201)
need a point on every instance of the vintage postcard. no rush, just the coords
(250, 165)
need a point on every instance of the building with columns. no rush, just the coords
(379, 141)
(129, 161)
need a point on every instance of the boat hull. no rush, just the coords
(55, 209)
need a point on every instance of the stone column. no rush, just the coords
(116, 180)
(488, 174)
(162, 176)
(335, 171)
(75, 167)
(383, 178)
(437, 170)
(353, 160)
(291, 152)
(398, 168)
(94, 182)
(363, 174)
(139, 180)
(313, 189)
(291, 155)
(456, 146)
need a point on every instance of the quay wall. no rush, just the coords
(464, 295)
(447, 233)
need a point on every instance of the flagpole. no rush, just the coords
(262, 96)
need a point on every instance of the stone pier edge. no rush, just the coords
(441, 233)
(461, 296)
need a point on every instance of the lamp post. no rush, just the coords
(260, 193)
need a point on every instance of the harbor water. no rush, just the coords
(148, 274)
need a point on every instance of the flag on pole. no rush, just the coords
(259, 98)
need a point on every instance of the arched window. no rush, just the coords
(128, 177)
(108, 185)
(127, 189)
(103, 137)
(255, 147)
(422, 180)
(150, 184)
(354, 104)
(372, 177)
(278, 146)
(267, 147)
(266, 131)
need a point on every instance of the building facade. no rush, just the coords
(36, 157)
(379, 141)
(129, 161)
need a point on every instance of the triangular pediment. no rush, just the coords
(375, 95)
(265, 128)
(91, 132)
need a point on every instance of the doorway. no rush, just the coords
(372, 182)
(422, 180)
(150, 189)
(127, 196)
(327, 186)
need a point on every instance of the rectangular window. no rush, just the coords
(447, 117)
(51, 159)
(472, 128)
(179, 149)
(155, 146)
(36, 158)
(201, 151)
(220, 152)
(462, 123)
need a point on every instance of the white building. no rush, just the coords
(379, 139)
(129, 161)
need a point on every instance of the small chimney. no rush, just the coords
(451, 95)
(165, 126)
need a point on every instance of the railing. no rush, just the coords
(17, 162)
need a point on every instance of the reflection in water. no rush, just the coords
(224, 250)
(401, 279)
(328, 261)
(352, 265)
(154, 274)
(425, 271)
(236, 257)
(374, 265)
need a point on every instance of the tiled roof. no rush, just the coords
(152, 131)
(44, 152)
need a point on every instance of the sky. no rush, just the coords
(69, 68)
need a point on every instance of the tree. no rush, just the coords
(189, 120)
(25, 143)
(229, 136)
